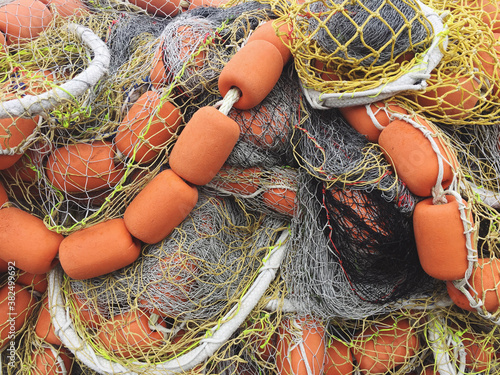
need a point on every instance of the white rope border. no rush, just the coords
(216, 336)
(414, 80)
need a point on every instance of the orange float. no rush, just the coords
(488, 56)
(44, 328)
(290, 358)
(411, 155)
(325, 73)
(98, 250)
(66, 8)
(204, 145)
(458, 297)
(159, 8)
(485, 280)
(3, 195)
(19, 311)
(239, 181)
(206, 3)
(280, 200)
(278, 35)
(87, 312)
(383, 346)
(158, 74)
(36, 282)
(338, 360)
(45, 362)
(363, 117)
(480, 352)
(254, 70)
(440, 238)
(161, 206)
(23, 19)
(84, 167)
(12, 133)
(27, 242)
(128, 335)
(148, 125)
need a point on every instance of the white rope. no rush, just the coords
(226, 104)
(32, 105)
(413, 80)
(438, 341)
(215, 337)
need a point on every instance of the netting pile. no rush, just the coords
(346, 222)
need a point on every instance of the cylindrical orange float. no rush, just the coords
(239, 181)
(277, 33)
(25, 240)
(148, 125)
(36, 282)
(23, 19)
(364, 118)
(458, 297)
(204, 145)
(383, 346)
(66, 8)
(83, 167)
(290, 353)
(338, 359)
(16, 306)
(3, 195)
(440, 238)
(280, 200)
(485, 280)
(129, 335)
(12, 133)
(45, 362)
(159, 8)
(480, 352)
(411, 155)
(87, 312)
(161, 206)
(158, 74)
(44, 328)
(254, 70)
(98, 250)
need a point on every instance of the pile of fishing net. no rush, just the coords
(249, 187)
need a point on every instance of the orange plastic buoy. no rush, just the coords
(206, 3)
(325, 73)
(87, 312)
(3, 195)
(383, 346)
(278, 34)
(290, 352)
(254, 70)
(12, 133)
(480, 352)
(98, 250)
(4, 266)
(280, 200)
(454, 98)
(84, 167)
(488, 55)
(485, 280)
(440, 238)
(66, 8)
(411, 155)
(3, 42)
(148, 125)
(25, 240)
(363, 118)
(458, 297)
(24, 169)
(159, 8)
(23, 19)
(338, 359)
(128, 335)
(20, 311)
(45, 362)
(239, 181)
(161, 206)
(489, 12)
(36, 282)
(204, 145)
(158, 74)
(44, 328)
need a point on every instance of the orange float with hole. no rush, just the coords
(452, 96)
(291, 349)
(411, 155)
(338, 359)
(36, 282)
(485, 280)
(383, 346)
(440, 238)
(148, 125)
(16, 302)
(44, 328)
(367, 119)
(66, 8)
(281, 200)
(23, 19)
(458, 297)
(129, 335)
(98, 250)
(204, 145)
(25, 240)
(161, 206)
(83, 167)
(50, 361)
(239, 181)
(254, 70)
(276, 32)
